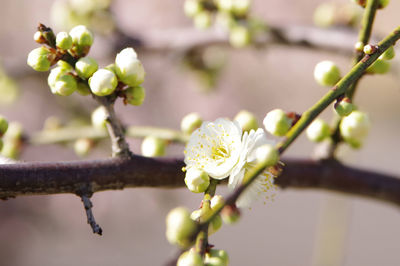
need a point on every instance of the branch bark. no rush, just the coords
(70, 177)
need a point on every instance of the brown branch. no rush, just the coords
(117, 173)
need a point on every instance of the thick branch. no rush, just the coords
(69, 177)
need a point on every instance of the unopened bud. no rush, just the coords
(40, 59)
(202, 20)
(83, 88)
(135, 95)
(246, 120)
(344, 107)
(369, 49)
(196, 180)
(128, 67)
(388, 54)
(153, 147)
(64, 65)
(85, 67)
(99, 117)
(11, 149)
(103, 82)
(267, 155)
(217, 257)
(216, 202)
(239, 36)
(326, 73)
(191, 122)
(215, 224)
(241, 7)
(277, 122)
(354, 128)
(81, 36)
(190, 258)
(359, 46)
(225, 5)
(379, 67)
(180, 227)
(65, 85)
(318, 130)
(192, 7)
(63, 40)
(230, 214)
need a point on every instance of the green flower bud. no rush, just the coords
(83, 146)
(230, 214)
(383, 3)
(318, 130)
(202, 20)
(11, 149)
(63, 40)
(192, 7)
(103, 82)
(354, 128)
(246, 120)
(180, 227)
(81, 36)
(85, 67)
(239, 36)
(55, 74)
(40, 59)
(65, 85)
(135, 95)
(216, 202)
(277, 122)
(388, 54)
(99, 117)
(191, 122)
(225, 5)
(241, 7)
(214, 225)
(112, 68)
(267, 155)
(359, 46)
(379, 67)
(83, 88)
(64, 66)
(153, 147)
(190, 258)
(217, 257)
(344, 107)
(324, 15)
(326, 73)
(196, 215)
(3, 125)
(197, 180)
(369, 49)
(128, 67)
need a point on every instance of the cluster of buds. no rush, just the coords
(232, 15)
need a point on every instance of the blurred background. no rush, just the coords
(301, 227)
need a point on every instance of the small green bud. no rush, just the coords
(153, 147)
(388, 54)
(64, 66)
(192, 7)
(326, 73)
(83, 88)
(55, 74)
(241, 7)
(359, 46)
(83, 146)
(318, 130)
(344, 107)
(85, 67)
(383, 3)
(63, 40)
(230, 214)
(81, 36)
(40, 59)
(190, 258)
(135, 95)
(196, 180)
(217, 257)
(3, 125)
(214, 225)
(202, 20)
(354, 128)
(239, 36)
(369, 49)
(191, 122)
(128, 67)
(180, 227)
(267, 155)
(103, 82)
(379, 67)
(65, 85)
(246, 120)
(99, 117)
(324, 15)
(277, 122)
(216, 202)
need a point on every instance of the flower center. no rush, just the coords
(219, 154)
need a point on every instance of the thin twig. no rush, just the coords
(87, 204)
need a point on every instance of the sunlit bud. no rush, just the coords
(388, 54)
(64, 65)
(192, 7)
(277, 122)
(318, 130)
(191, 122)
(63, 40)
(65, 85)
(359, 46)
(81, 36)
(230, 214)
(83, 146)
(3, 125)
(99, 117)
(239, 36)
(241, 7)
(83, 88)
(196, 180)
(190, 258)
(40, 59)
(135, 95)
(202, 20)
(379, 67)
(246, 120)
(344, 107)
(217, 257)
(369, 49)
(55, 74)
(225, 5)
(128, 67)
(111, 67)
(217, 201)
(267, 155)
(85, 67)
(354, 128)
(103, 82)
(180, 227)
(196, 215)
(153, 147)
(326, 73)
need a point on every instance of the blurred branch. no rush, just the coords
(69, 177)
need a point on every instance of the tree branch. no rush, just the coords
(69, 177)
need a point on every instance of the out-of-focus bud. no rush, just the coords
(246, 120)
(241, 7)
(379, 67)
(277, 122)
(190, 258)
(3, 125)
(267, 155)
(388, 54)
(217, 257)
(40, 59)
(383, 3)
(85, 67)
(318, 130)
(239, 36)
(128, 67)
(202, 20)
(324, 15)
(196, 180)
(230, 214)
(83, 146)
(354, 128)
(191, 122)
(153, 147)
(180, 227)
(326, 73)
(216, 202)
(63, 40)
(99, 117)
(135, 95)
(192, 7)
(215, 225)
(103, 82)
(225, 5)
